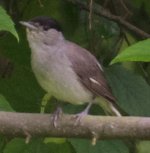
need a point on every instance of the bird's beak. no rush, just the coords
(28, 25)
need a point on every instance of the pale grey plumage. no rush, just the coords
(64, 69)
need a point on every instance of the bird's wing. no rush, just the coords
(89, 71)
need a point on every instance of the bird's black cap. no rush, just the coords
(47, 23)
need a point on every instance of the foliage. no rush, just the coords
(4, 105)
(114, 146)
(131, 91)
(6, 23)
(110, 43)
(136, 52)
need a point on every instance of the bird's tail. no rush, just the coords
(110, 108)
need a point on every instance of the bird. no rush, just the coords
(64, 69)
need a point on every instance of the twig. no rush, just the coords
(15, 124)
(99, 10)
(123, 7)
(90, 14)
(41, 4)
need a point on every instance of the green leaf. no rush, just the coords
(54, 140)
(137, 52)
(143, 147)
(18, 145)
(111, 146)
(131, 91)
(6, 23)
(4, 105)
(2, 142)
(60, 148)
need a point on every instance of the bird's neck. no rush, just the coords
(51, 41)
(53, 38)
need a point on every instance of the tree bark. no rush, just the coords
(94, 127)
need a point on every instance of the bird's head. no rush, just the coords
(42, 29)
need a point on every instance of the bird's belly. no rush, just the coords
(66, 93)
(63, 84)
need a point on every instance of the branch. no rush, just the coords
(100, 11)
(94, 127)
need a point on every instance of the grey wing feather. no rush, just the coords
(89, 71)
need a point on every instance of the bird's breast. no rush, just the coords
(54, 73)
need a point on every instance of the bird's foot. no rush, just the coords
(56, 115)
(82, 114)
(78, 117)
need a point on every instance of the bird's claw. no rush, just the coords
(56, 115)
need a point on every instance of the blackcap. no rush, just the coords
(65, 70)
